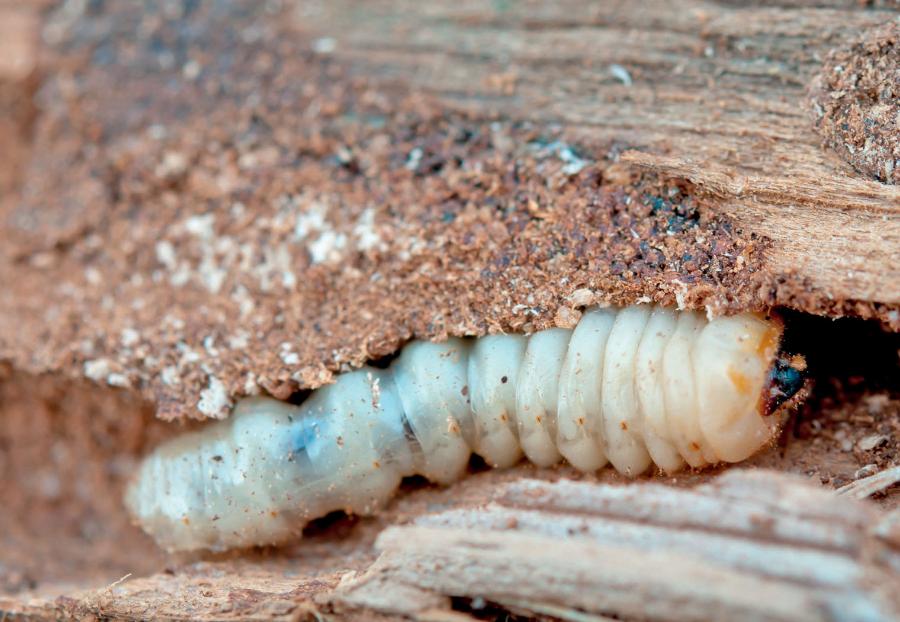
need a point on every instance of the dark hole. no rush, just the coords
(334, 525)
(480, 609)
(850, 362)
(384, 361)
(413, 483)
(477, 464)
(847, 354)
(298, 397)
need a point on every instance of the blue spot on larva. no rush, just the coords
(305, 435)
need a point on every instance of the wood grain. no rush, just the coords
(752, 545)
(710, 92)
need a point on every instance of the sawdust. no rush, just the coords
(202, 248)
(855, 101)
(216, 209)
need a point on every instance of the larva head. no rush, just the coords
(786, 378)
(739, 381)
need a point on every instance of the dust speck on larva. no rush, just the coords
(632, 387)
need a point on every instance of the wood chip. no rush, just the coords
(868, 486)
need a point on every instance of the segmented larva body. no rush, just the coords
(627, 386)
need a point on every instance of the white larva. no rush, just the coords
(627, 386)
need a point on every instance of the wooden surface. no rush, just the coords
(715, 94)
(236, 199)
(19, 28)
(711, 94)
(753, 545)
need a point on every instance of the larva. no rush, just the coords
(630, 386)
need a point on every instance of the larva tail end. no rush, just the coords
(134, 494)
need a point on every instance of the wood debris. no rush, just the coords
(751, 545)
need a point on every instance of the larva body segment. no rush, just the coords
(681, 393)
(494, 363)
(432, 380)
(732, 431)
(579, 435)
(537, 390)
(626, 386)
(619, 407)
(648, 369)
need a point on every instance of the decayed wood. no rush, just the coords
(752, 545)
(711, 92)
(251, 595)
(19, 27)
(217, 204)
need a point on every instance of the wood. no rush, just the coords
(19, 29)
(253, 219)
(752, 545)
(133, 159)
(714, 94)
